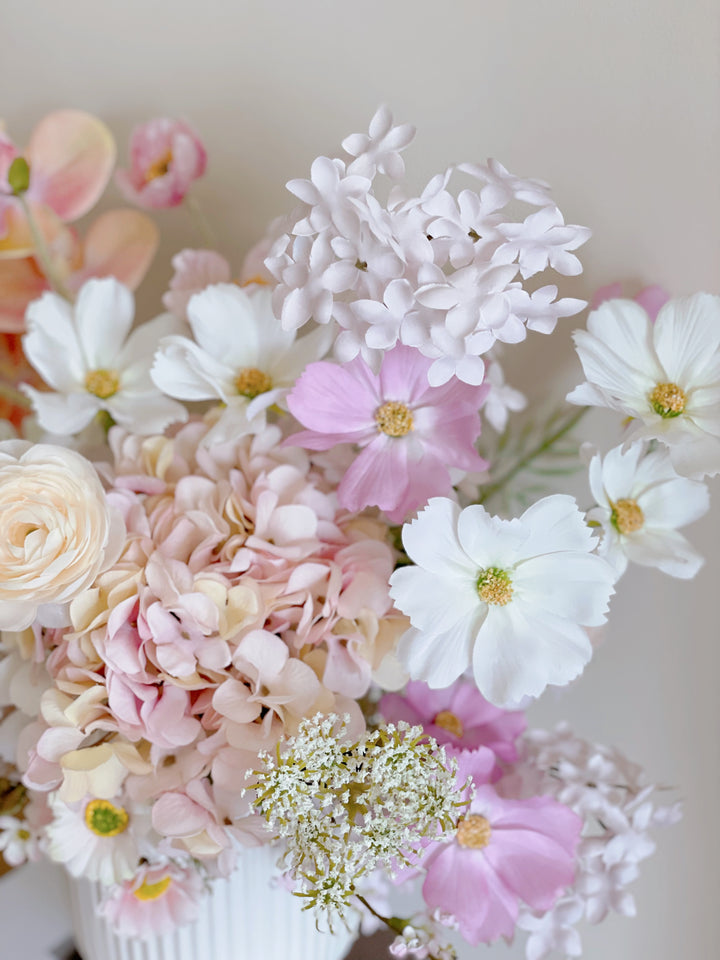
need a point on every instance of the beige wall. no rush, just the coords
(617, 104)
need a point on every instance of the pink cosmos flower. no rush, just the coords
(410, 432)
(157, 900)
(459, 716)
(650, 298)
(166, 156)
(504, 851)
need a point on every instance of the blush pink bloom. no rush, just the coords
(650, 298)
(157, 900)
(504, 852)
(166, 156)
(410, 432)
(458, 716)
(194, 270)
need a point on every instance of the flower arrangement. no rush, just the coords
(251, 585)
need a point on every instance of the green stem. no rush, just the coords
(43, 254)
(201, 222)
(396, 924)
(537, 451)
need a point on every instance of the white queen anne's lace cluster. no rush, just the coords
(344, 808)
(619, 809)
(438, 272)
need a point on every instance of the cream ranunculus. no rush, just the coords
(57, 531)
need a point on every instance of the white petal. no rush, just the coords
(145, 413)
(104, 313)
(576, 586)
(51, 344)
(225, 325)
(136, 357)
(63, 413)
(489, 541)
(687, 335)
(555, 523)
(674, 503)
(439, 659)
(431, 540)
(184, 370)
(433, 603)
(667, 550)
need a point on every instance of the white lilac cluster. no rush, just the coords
(343, 808)
(619, 810)
(441, 272)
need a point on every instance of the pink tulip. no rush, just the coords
(166, 156)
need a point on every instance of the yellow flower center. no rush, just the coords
(474, 831)
(23, 834)
(627, 516)
(394, 418)
(251, 382)
(159, 168)
(105, 819)
(151, 891)
(102, 383)
(448, 721)
(494, 586)
(668, 400)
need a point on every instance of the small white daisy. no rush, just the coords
(641, 503)
(508, 597)
(665, 376)
(18, 842)
(85, 354)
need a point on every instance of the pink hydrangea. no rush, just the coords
(410, 433)
(458, 716)
(157, 900)
(503, 852)
(166, 157)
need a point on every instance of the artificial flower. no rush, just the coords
(97, 839)
(166, 157)
(504, 851)
(410, 432)
(508, 597)
(664, 375)
(18, 844)
(157, 900)
(85, 354)
(194, 271)
(241, 358)
(650, 298)
(502, 400)
(458, 716)
(641, 503)
(58, 530)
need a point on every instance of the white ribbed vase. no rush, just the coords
(243, 918)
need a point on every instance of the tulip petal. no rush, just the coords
(71, 156)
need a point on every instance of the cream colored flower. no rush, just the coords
(57, 531)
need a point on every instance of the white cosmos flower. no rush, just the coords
(242, 357)
(666, 375)
(85, 354)
(97, 839)
(641, 503)
(507, 597)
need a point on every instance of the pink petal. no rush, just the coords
(20, 282)
(336, 400)
(379, 476)
(71, 156)
(121, 244)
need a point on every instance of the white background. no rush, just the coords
(617, 104)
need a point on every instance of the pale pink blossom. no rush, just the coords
(194, 270)
(166, 157)
(156, 901)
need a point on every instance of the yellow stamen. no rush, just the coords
(627, 516)
(159, 168)
(251, 382)
(151, 891)
(23, 834)
(494, 586)
(102, 383)
(474, 831)
(448, 721)
(261, 281)
(394, 418)
(105, 819)
(668, 400)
